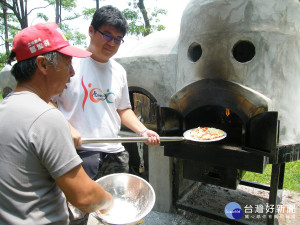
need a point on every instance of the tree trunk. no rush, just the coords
(57, 11)
(145, 16)
(20, 10)
(5, 29)
(60, 5)
(23, 12)
(19, 7)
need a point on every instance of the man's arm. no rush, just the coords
(130, 120)
(82, 192)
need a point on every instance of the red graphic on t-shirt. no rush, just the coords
(85, 93)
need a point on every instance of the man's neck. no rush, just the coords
(27, 86)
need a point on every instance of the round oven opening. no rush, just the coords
(194, 52)
(243, 51)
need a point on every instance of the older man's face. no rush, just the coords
(60, 75)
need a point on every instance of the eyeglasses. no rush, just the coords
(117, 41)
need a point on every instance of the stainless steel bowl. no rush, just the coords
(133, 197)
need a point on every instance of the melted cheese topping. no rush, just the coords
(206, 133)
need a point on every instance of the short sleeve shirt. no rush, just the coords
(36, 147)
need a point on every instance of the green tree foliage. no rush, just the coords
(8, 28)
(142, 20)
(17, 19)
(19, 9)
(137, 15)
(64, 12)
(3, 59)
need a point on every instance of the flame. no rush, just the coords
(227, 112)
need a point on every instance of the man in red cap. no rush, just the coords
(39, 166)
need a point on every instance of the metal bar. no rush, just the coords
(273, 193)
(258, 151)
(211, 214)
(255, 185)
(128, 139)
(281, 176)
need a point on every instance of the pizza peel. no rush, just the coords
(186, 137)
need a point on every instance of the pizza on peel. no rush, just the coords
(206, 133)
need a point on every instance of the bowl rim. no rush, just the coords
(141, 216)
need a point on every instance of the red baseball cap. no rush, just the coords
(42, 38)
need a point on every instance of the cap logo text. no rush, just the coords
(38, 44)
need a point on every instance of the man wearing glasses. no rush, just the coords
(96, 100)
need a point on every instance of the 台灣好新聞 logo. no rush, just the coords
(233, 210)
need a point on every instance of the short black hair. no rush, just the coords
(24, 70)
(109, 15)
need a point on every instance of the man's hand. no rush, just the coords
(130, 120)
(153, 137)
(111, 199)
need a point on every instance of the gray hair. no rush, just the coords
(24, 70)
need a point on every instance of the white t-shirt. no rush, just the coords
(91, 100)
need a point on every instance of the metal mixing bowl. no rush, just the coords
(133, 197)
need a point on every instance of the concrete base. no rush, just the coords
(160, 177)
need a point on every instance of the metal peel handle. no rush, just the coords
(128, 139)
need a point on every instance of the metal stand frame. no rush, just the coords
(275, 197)
(275, 188)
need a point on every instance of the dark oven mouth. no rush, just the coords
(217, 117)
